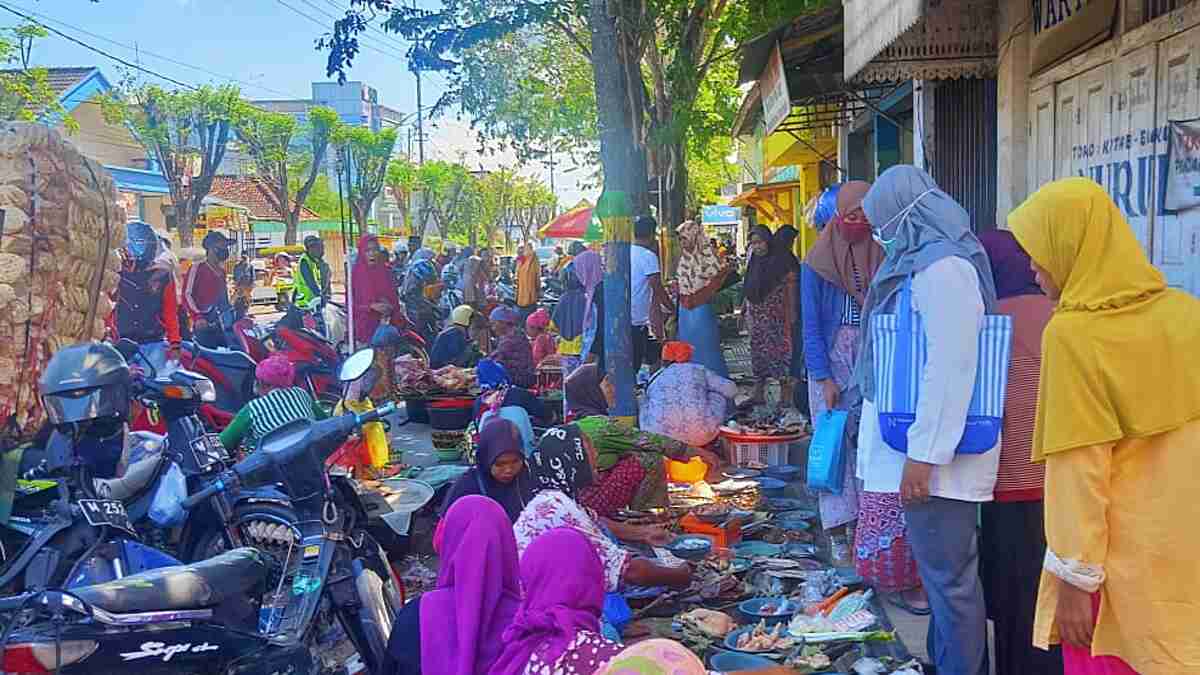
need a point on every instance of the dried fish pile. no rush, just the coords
(60, 229)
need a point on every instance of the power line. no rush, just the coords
(367, 45)
(371, 27)
(168, 59)
(99, 51)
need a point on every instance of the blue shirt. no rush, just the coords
(824, 306)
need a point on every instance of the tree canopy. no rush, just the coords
(280, 147)
(25, 91)
(186, 132)
(522, 71)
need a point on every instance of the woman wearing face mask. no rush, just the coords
(835, 277)
(279, 403)
(929, 245)
(770, 305)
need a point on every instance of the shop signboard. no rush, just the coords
(777, 102)
(720, 214)
(1065, 27)
(1183, 166)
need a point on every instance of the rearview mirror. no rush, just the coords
(356, 365)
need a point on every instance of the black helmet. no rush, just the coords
(214, 240)
(88, 381)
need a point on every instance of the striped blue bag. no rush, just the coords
(900, 354)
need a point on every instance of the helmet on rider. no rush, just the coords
(141, 242)
(462, 315)
(86, 383)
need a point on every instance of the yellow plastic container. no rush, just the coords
(372, 433)
(692, 471)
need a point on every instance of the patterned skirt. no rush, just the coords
(770, 336)
(883, 557)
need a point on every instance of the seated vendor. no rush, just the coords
(537, 327)
(453, 346)
(279, 403)
(499, 392)
(685, 400)
(499, 470)
(513, 350)
(564, 465)
(631, 462)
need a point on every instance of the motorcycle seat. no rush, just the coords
(225, 358)
(200, 585)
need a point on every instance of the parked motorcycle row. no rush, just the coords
(190, 560)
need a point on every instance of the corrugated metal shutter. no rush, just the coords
(965, 159)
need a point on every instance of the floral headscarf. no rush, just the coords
(698, 263)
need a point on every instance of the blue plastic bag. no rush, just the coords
(617, 615)
(826, 452)
(166, 509)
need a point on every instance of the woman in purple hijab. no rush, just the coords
(456, 629)
(557, 628)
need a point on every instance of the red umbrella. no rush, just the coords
(573, 224)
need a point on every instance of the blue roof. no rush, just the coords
(138, 180)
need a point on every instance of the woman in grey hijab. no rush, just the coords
(929, 245)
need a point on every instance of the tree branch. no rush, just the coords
(573, 37)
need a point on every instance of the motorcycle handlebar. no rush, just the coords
(213, 488)
(375, 415)
(255, 462)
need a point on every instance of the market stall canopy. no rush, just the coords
(772, 200)
(810, 47)
(901, 40)
(574, 224)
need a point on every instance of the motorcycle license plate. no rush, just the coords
(208, 450)
(102, 512)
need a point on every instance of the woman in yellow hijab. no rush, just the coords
(1118, 426)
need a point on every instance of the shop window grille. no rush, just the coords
(1152, 9)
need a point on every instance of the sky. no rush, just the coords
(264, 46)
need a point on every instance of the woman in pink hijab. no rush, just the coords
(456, 629)
(557, 628)
(376, 300)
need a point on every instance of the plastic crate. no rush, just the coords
(451, 415)
(758, 453)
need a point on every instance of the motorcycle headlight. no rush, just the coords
(206, 389)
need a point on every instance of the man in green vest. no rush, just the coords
(312, 282)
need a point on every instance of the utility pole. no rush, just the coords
(420, 113)
(420, 122)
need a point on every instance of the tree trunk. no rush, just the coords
(291, 228)
(185, 222)
(624, 162)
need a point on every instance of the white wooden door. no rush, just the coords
(1174, 242)
(1133, 157)
(1096, 107)
(1041, 138)
(1068, 119)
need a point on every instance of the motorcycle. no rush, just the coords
(244, 612)
(70, 529)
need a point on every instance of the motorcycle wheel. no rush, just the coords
(262, 526)
(379, 602)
